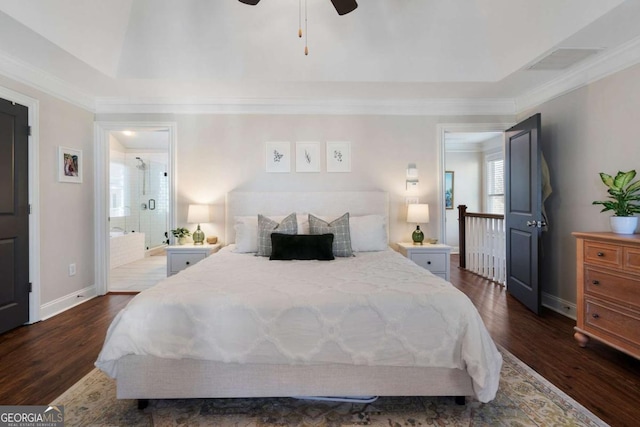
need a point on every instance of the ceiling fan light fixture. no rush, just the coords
(342, 7)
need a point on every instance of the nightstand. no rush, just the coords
(180, 257)
(435, 258)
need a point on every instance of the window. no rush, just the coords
(494, 178)
(116, 189)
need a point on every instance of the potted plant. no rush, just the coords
(624, 201)
(181, 233)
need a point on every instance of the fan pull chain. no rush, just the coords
(300, 18)
(306, 32)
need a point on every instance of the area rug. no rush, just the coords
(524, 399)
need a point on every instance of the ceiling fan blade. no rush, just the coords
(343, 6)
(251, 2)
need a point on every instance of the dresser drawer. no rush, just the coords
(433, 262)
(619, 287)
(603, 254)
(179, 262)
(613, 320)
(632, 259)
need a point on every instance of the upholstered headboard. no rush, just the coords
(330, 204)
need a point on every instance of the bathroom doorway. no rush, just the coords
(139, 208)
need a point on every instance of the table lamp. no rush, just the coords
(198, 214)
(418, 213)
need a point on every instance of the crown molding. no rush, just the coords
(400, 107)
(41, 80)
(600, 66)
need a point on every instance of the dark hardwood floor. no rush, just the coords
(39, 362)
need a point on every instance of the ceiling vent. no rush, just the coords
(562, 58)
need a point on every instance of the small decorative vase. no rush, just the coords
(182, 240)
(624, 224)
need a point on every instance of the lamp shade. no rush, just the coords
(418, 213)
(198, 214)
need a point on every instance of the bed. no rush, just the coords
(241, 325)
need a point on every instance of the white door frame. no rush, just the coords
(442, 129)
(102, 130)
(34, 197)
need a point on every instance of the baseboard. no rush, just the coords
(559, 305)
(66, 302)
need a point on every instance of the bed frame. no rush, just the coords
(148, 377)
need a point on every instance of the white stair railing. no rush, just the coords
(482, 244)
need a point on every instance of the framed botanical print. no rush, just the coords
(307, 157)
(278, 156)
(338, 156)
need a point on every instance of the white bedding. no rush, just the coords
(377, 308)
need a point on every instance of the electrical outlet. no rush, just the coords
(411, 200)
(72, 269)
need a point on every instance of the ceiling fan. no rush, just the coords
(342, 6)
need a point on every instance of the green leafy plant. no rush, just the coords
(181, 232)
(623, 194)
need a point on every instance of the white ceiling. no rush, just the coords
(412, 55)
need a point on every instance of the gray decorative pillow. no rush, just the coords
(340, 230)
(266, 226)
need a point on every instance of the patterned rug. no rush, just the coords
(524, 399)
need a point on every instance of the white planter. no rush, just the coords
(624, 224)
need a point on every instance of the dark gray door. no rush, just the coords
(523, 210)
(14, 216)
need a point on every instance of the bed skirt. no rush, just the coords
(148, 377)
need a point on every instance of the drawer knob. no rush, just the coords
(188, 263)
(596, 282)
(595, 315)
(429, 262)
(600, 253)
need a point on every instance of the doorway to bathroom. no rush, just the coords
(139, 208)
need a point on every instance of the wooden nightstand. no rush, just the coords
(180, 257)
(435, 258)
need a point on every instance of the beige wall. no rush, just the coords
(584, 132)
(220, 153)
(66, 210)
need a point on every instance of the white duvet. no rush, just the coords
(377, 308)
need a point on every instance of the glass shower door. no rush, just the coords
(154, 204)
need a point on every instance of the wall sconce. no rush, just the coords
(198, 214)
(412, 177)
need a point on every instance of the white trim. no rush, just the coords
(44, 81)
(34, 197)
(392, 107)
(601, 65)
(559, 305)
(66, 302)
(101, 202)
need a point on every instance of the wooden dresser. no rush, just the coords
(608, 297)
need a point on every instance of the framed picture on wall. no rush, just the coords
(338, 156)
(278, 156)
(448, 190)
(69, 165)
(307, 157)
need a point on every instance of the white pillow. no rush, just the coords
(368, 233)
(246, 234)
(247, 230)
